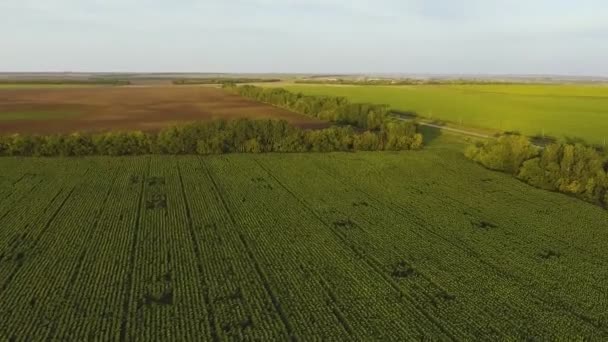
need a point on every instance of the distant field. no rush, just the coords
(356, 247)
(57, 109)
(45, 86)
(558, 110)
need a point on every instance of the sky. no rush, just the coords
(561, 37)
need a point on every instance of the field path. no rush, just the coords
(444, 128)
(455, 130)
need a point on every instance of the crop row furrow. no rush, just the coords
(302, 297)
(301, 233)
(492, 265)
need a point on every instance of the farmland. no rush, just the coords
(260, 170)
(557, 110)
(338, 246)
(60, 109)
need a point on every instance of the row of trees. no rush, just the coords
(404, 81)
(223, 80)
(334, 109)
(574, 169)
(216, 137)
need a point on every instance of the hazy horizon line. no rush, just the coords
(328, 74)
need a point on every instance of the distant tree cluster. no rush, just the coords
(216, 137)
(506, 154)
(334, 109)
(574, 169)
(223, 80)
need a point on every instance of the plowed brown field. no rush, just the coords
(128, 108)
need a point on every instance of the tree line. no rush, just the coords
(223, 80)
(216, 137)
(334, 109)
(571, 168)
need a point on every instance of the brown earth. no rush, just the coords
(133, 108)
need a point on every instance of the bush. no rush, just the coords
(507, 153)
(574, 169)
(400, 135)
(367, 141)
(19, 145)
(122, 144)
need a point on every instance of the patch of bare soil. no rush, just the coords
(133, 108)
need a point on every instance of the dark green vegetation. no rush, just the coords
(331, 108)
(574, 169)
(222, 80)
(216, 137)
(342, 246)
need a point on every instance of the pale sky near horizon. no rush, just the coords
(566, 37)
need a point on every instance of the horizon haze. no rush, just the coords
(337, 36)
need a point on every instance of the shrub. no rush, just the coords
(573, 169)
(507, 153)
(367, 141)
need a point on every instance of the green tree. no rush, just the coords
(507, 153)
(367, 141)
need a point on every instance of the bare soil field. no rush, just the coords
(65, 110)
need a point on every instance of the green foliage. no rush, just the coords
(399, 135)
(334, 109)
(216, 137)
(223, 80)
(331, 139)
(77, 145)
(573, 169)
(18, 145)
(579, 110)
(123, 143)
(367, 141)
(507, 153)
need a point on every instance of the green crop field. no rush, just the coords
(341, 246)
(557, 110)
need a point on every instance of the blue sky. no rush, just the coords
(567, 37)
